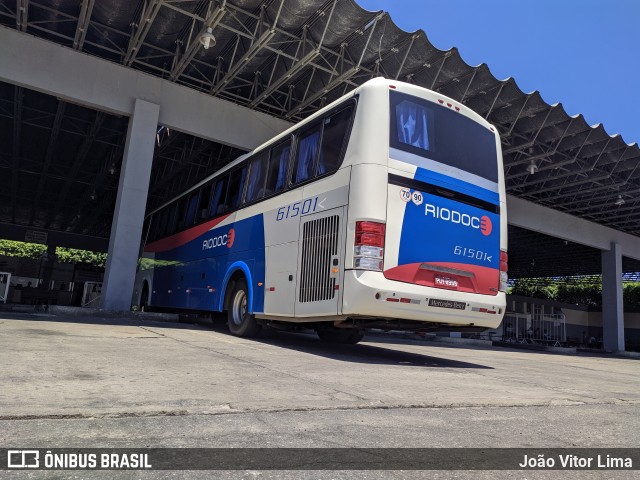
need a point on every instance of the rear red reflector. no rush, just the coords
(483, 310)
(370, 233)
(504, 262)
(370, 239)
(405, 300)
(392, 299)
(491, 311)
(373, 227)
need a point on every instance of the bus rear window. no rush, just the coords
(441, 134)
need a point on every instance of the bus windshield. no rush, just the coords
(438, 133)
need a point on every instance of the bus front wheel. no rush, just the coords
(240, 321)
(345, 336)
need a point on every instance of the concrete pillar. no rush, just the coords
(126, 229)
(612, 306)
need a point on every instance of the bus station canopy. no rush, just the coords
(286, 58)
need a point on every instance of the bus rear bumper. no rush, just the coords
(369, 294)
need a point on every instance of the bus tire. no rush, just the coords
(344, 336)
(240, 321)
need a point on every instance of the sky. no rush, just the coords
(584, 54)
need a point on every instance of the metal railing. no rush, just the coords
(535, 328)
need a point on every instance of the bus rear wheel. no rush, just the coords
(344, 336)
(240, 321)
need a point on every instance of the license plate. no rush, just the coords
(446, 281)
(434, 302)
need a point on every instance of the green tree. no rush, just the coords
(12, 248)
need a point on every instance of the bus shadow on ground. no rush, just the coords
(309, 343)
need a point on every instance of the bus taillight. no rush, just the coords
(504, 268)
(368, 250)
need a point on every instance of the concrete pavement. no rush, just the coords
(107, 382)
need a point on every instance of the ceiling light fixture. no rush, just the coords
(207, 39)
(532, 167)
(620, 200)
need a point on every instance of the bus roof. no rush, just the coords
(373, 83)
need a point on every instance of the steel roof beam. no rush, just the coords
(288, 76)
(53, 141)
(583, 194)
(254, 49)
(22, 14)
(531, 142)
(79, 159)
(565, 185)
(83, 23)
(580, 172)
(16, 150)
(212, 21)
(339, 79)
(298, 65)
(609, 216)
(147, 17)
(557, 165)
(614, 211)
(605, 201)
(546, 154)
(486, 117)
(187, 152)
(406, 55)
(513, 124)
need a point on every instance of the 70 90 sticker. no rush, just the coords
(406, 195)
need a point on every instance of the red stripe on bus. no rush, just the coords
(181, 238)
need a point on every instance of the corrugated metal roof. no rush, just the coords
(290, 57)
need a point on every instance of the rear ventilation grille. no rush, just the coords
(319, 244)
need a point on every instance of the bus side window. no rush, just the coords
(203, 205)
(336, 129)
(172, 219)
(216, 207)
(256, 178)
(278, 166)
(190, 212)
(306, 154)
(236, 187)
(162, 223)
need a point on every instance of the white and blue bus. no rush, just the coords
(385, 209)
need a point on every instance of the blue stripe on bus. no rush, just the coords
(445, 181)
(180, 283)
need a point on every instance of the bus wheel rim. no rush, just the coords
(239, 307)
